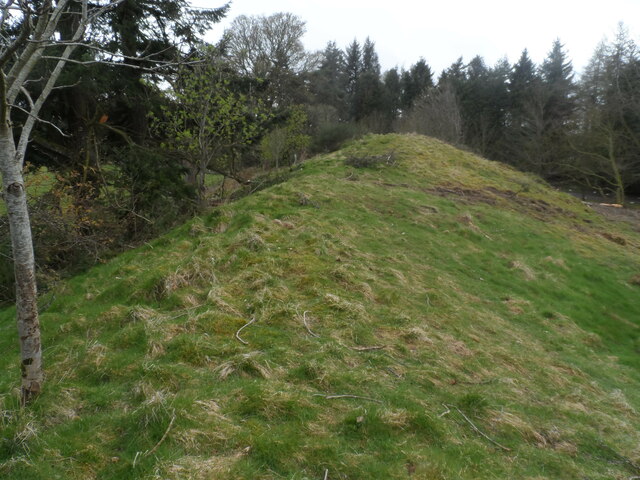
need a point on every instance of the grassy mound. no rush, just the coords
(398, 309)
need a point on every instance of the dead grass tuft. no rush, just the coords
(456, 346)
(215, 296)
(619, 402)
(198, 272)
(96, 353)
(205, 467)
(516, 305)
(250, 364)
(528, 273)
(284, 224)
(558, 262)
(416, 335)
(143, 314)
(354, 309)
(253, 242)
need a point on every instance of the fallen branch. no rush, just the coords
(393, 372)
(476, 428)
(326, 474)
(304, 320)
(334, 397)
(185, 312)
(368, 349)
(242, 328)
(149, 452)
(446, 412)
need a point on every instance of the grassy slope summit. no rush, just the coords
(478, 324)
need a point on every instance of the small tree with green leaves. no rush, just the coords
(287, 143)
(210, 122)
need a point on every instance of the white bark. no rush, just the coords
(24, 266)
(29, 51)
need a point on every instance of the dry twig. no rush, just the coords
(304, 320)
(242, 328)
(368, 349)
(476, 428)
(333, 397)
(446, 412)
(149, 452)
(393, 372)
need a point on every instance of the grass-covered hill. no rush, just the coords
(437, 316)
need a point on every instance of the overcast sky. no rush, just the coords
(405, 30)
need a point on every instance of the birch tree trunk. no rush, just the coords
(15, 197)
(27, 50)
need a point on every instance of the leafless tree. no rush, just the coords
(37, 40)
(269, 48)
(437, 114)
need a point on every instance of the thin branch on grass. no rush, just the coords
(446, 412)
(185, 312)
(393, 372)
(368, 349)
(477, 429)
(149, 452)
(326, 474)
(334, 397)
(242, 328)
(304, 320)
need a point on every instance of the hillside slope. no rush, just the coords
(436, 317)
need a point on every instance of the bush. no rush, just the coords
(332, 136)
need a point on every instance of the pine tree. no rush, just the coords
(392, 94)
(368, 100)
(560, 105)
(415, 82)
(522, 80)
(525, 122)
(328, 82)
(370, 61)
(353, 71)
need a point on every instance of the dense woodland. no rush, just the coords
(155, 124)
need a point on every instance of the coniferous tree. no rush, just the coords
(558, 88)
(328, 82)
(392, 94)
(415, 82)
(353, 70)
(525, 124)
(522, 80)
(369, 97)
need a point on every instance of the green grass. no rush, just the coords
(484, 292)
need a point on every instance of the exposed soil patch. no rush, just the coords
(491, 196)
(614, 238)
(627, 215)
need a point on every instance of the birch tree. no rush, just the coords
(29, 41)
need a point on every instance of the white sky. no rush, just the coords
(441, 31)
